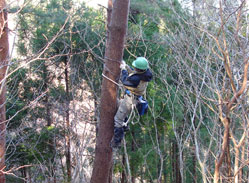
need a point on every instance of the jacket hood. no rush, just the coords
(146, 76)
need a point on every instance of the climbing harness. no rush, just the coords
(142, 105)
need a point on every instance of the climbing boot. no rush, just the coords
(117, 138)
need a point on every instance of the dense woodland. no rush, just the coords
(196, 129)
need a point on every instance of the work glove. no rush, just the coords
(122, 65)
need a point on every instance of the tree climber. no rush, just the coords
(135, 82)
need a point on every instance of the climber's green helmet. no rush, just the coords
(140, 63)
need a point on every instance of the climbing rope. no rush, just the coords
(133, 109)
(106, 68)
(111, 80)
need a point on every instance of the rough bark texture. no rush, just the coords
(108, 22)
(4, 53)
(108, 103)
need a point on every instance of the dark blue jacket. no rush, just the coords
(134, 79)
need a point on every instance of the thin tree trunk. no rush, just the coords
(194, 165)
(49, 122)
(4, 54)
(165, 141)
(24, 174)
(177, 166)
(194, 151)
(68, 143)
(175, 160)
(220, 159)
(123, 174)
(236, 164)
(108, 103)
(242, 160)
(171, 161)
(133, 150)
(46, 101)
(237, 146)
(228, 160)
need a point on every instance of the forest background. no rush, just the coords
(196, 129)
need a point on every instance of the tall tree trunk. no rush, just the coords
(123, 174)
(24, 174)
(108, 22)
(46, 99)
(241, 174)
(228, 162)
(51, 144)
(165, 152)
(108, 103)
(68, 143)
(194, 165)
(4, 54)
(133, 176)
(220, 159)
(236, 164)
(175, 163)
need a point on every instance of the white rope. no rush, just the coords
(111, 80)
(132, 107)
(131, 114)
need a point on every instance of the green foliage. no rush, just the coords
(15, 106)
(32, 146)
(77, 50)
(38, 90)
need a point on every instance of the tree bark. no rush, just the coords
(109, 15)
(4, 54)
(241, 173)
(133, 148)
(51, 144)
(177, 166)
(175, 163)
(236, 164)
(68, 143)
(123, 174)
(108, 103)
(219, 160)
(228, 161)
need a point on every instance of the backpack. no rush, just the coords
(142, 106)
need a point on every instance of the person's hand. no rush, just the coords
(122, 65)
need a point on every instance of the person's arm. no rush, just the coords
(132, 81)
(127, 80)
(129, 68)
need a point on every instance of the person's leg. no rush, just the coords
(122, 113)
(117, 137)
